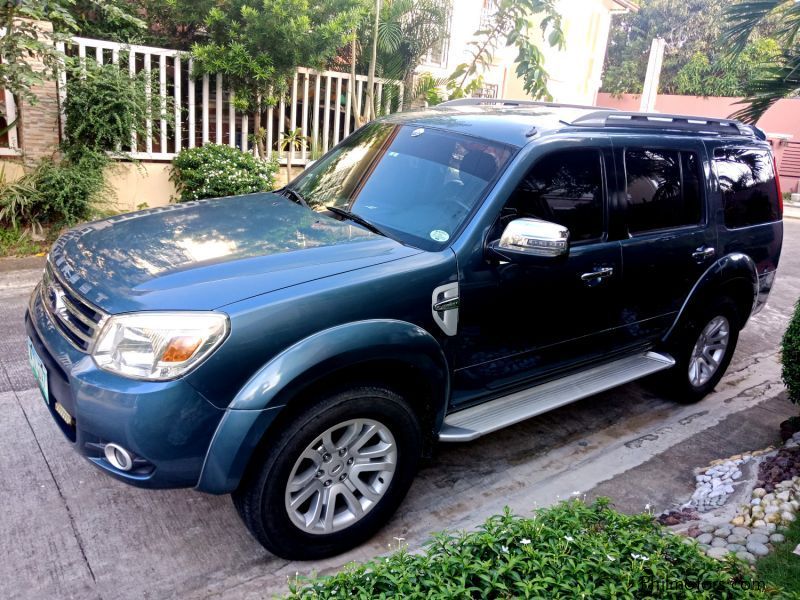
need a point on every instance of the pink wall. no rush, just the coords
(782, 118)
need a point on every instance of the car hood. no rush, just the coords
(204, 255)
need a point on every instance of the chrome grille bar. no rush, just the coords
(77, 320)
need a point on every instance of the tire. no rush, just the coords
(294, 522)
(694, 375)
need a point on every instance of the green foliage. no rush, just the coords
(781, 568)
(72, 190)
(695, 58)
(571, 550)
(257, 45)
(511, 24)
(17, 242)
(114, 20)
(743, 21)
(25, 38)
(726, 76)
(790, 356)
(18, 199)
(104, 106)
(213, 171)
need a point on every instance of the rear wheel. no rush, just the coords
(334, 475)
(704, 351)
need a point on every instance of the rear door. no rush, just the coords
(666, 239)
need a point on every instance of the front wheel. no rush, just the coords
(333, 476)
(704, 351)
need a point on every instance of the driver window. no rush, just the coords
(565, 187)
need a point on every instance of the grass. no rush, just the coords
(15, 242)
(781, 568)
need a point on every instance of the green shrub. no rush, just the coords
(104, 105)
(790, 356)
(213, 171)
(571, 550)
(18, 200)
(72, 190)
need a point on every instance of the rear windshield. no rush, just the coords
(747, 182)
(416, 184)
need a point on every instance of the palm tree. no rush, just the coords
(292, 141)
(780, 80)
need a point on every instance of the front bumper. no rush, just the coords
(168, 426)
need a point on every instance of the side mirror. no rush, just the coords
(531, 238)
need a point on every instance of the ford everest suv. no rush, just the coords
(435, 277)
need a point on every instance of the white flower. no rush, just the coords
(639, 557)
(647, 506)
(576, 493)
(610, 558)
(524, 541)
(569, 538)
(504, 549)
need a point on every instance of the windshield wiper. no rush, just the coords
(355, 218)
(294, 195)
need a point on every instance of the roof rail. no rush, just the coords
(512, 103)
(605, 118)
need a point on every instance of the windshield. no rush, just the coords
(415, 184)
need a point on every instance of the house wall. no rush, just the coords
(574, 71)
(781, 122)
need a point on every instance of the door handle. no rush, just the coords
(703, 253)
(598, 274)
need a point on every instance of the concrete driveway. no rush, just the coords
(68, 531)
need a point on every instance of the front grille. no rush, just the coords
(77, 320)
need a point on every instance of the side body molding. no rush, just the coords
(727, 269)
(261, 399)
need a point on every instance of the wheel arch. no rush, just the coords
(735, 276)
(398, 354)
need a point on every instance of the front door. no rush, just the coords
(520, 322)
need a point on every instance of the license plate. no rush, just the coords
(39, 371)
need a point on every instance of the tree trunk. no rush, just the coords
(370, 111)
(353, 102)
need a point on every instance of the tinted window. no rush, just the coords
(747, 181)
(416, 184)
(565, 188)
(663, 189)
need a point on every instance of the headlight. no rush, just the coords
(158, 346)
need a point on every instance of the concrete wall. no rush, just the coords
(780, 121)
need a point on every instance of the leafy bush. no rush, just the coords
(213, 171)
(18, 200)
(571, 550)
(790, 356)
(104, 106)
(71, 190)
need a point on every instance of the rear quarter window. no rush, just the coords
(747, 184)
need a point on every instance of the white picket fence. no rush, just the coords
(319, 103)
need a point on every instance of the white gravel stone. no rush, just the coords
(746, 556)
(757, 548)
(736, 539)
(777, 538)
(718, 553)
(741, 531)
(758, 538)
(708, 528)
(719, 542)
(722, 532)
(735, 548)
(704, 538)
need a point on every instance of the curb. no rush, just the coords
(37, 262)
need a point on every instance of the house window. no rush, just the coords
(437, 54)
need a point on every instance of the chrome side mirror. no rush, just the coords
(533, 237)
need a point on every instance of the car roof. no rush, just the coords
(519, 122)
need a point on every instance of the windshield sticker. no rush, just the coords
(439, 235)
(418, 131)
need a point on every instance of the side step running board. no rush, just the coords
(471, 423)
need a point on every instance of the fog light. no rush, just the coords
(119, 457)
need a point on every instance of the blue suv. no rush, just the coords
(435, 277)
